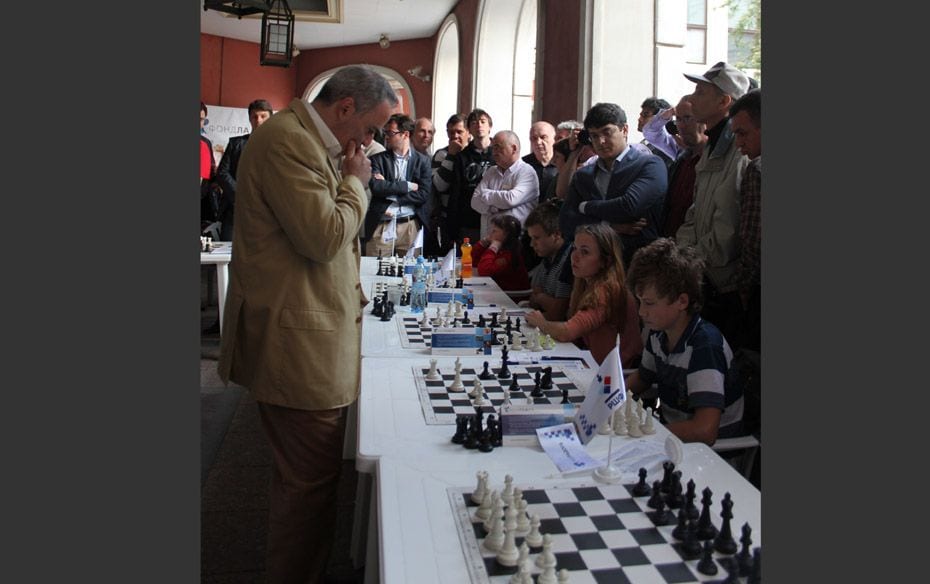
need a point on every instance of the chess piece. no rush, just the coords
(534, 538)
(497, 511)
(517, 327)
(424, 322)
(674, 499)
(724, 542)
(481, 322)
(433, 373)
(507, 494)
(506, 401)
(483, 512)
(496, 536)
(756, 576)
(476, 389)
(473, 434)
(606, 428)
(632, 428)
(648, 428)
(485, 373)
(667, 467)
(510, 516)
(504, 372)
(682, 526)
(479, 398)
(691, 546)
(565, 398)
(514, 385)
(690, 508)
(517, 342)
(494, 431)
(641, 489)
(619, 424)
(546, 382)
(493, 320)
(461, 427)
(465, 320)
(524, 560)
(547, 576)
(484, 442)
(661, 516)
(547, 557)
(537, 389)
(522, 575)
(706, 529)
(653, 502)
(707, 565)
(523, 522)
(743, 558)
(457, 384)
(482, 487)
(563, 576)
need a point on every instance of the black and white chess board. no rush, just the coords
(441, 406)
(415, 336)
(600, 534)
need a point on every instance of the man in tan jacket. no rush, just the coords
(294, 306)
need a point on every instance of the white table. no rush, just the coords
(220, 256)
(408, 466)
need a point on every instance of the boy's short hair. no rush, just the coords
(671, 269)
(476, 113)
(261, 105)
(546, 215)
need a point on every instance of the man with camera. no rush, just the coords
(624, 187)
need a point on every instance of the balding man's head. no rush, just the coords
(423, 135)
(542, 137)
(505, 148)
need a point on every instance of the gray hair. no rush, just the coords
(363, 84)
(511, 136)
(570, 125)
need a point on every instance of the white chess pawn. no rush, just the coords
(437, 321)
(521, 575)
(547, 576)
(424, 323)
(497, 511)
(563, 576)
(481, 488)
(546, 558)
(523, 522)
(510, 518)
(449, 309)
(606, 429)
(536, 346)
(458, 309)
(479, 400)
(523, 562)
(632, 428)
(507, 494)
(534, 538)
(484, 509)
(506, 401)
(517, 342)
(619, 423)
(647, 427)
(503, 313)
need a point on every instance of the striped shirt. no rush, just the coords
(694, 375)
(549, 275)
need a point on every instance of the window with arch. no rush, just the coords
(400, 86)
(446, 74)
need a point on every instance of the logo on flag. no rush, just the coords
(606, 393)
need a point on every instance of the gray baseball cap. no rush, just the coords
(727, 78)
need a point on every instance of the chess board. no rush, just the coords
(414, 336)
(441, 406)
(600, 534)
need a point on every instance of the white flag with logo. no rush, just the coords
(606, 393)
(416, 244)
(390, 232)
(448, 262)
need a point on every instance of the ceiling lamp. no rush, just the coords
(277, 34)
(238, 8)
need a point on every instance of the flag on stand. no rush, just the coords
(390, 232)
(448, 262)
(418, 243)
(606, 393)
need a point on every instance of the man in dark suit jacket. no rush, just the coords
(259, 111)
(401, 181)
(624, 187)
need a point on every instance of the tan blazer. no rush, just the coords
(292, 323)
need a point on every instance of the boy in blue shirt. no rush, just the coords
(684, 355)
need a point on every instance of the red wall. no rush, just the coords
(400, 56)
(230, 74)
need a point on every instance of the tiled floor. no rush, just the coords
(234, 496)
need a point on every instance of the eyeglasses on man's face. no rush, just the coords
(392, 132)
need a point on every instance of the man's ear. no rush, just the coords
(345, 107)
(683, 301)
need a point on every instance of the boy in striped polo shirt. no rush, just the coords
(684, 355)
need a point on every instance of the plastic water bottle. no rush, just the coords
(418, 290)
(466, 258)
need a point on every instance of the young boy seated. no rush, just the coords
(552, 278)
(685, 355)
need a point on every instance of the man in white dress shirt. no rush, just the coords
(511, 186)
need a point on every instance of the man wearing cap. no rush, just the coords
(625, 186)
(712, 222)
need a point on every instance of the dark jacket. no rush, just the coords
(637, 189)
(419, 170)
(226, 179)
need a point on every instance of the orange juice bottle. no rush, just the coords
(466, 258)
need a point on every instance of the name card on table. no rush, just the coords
(519, 422)
(443, 296)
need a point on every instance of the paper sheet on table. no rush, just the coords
(563, 446)
(646, 453)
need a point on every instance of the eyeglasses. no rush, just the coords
(393, 132)
(604, 134)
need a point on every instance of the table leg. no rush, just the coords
(222, 275)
